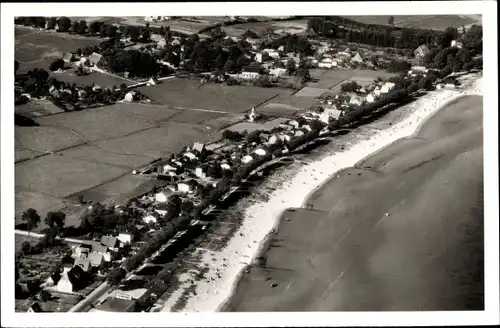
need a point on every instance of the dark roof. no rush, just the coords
(252, 68)
(112, 304)
(36, 307)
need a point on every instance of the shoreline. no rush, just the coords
(261, 218)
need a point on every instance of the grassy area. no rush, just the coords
(37, 49)
(436, 22)
(96, 78)
(182, 93)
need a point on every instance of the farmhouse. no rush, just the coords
(200, 173)
(271, 53)
(199, 147)
(294, 124)
(371, 97)
(125, 237)
(103, 250)
(456, 44)
(225, 166)
(109, 241)
(247, 159)
(260, 152)
(97, 60)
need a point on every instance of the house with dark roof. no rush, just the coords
(113, 304)
(73, 280)
(421, 51)
(35, 307)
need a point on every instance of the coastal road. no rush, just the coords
(401, 231)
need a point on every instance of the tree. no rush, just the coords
(54, 219)
(350, 87)
(82, 27)
(231, 135)
(44, 295)
(25, 247)
(64, 24)
(51, 23)
(468, 66)
(229, 66)
(391, 21)
(75, 27)
(290, 66)
(31, 217)
(146, 35)
(187, 206)
(115, 276)
(304, 75)
(56, 65)
(413, 88)
(16, 66)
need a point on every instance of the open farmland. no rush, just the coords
(182, 93)
(100, 79)
(37, 108)
(436, 22)
(266, 28)
(37, 49)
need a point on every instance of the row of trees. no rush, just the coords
(390, 36)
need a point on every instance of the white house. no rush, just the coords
(355, 100)
(168, 168)
(377, 92)
(277, 71)
(294, 123)
(161, 212)
(225, 166)
(329, 113)
(456, 44)
(260, 152)
(190, 155)
(371, 97)
(125, 238)
(129, 97)
(150, 218)
(246, 159)
(388, 86)
(161, 197)
(281, 48)
(271, 53)
(298, 133)
(272, 140)
(258, 58)
(357, 58)
(199, 173)
(183, 187)
(449, 86)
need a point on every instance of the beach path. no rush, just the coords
(402, 230)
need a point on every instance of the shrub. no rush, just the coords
(57, 64)
(468, 66)
(231, 135)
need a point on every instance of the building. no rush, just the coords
(54, 92)
(102, 249)
(97, 60)
(355, 100)
(152, 81)
(258, 57)
(183, 187)
(129, 97)
(247, 159)
(68, 57)
(84, 264)
(294, 124)
(225, 166)
(388, 86)
(421, 52)
(260, 152)
(96, 259)
(271, 53)
(83, 250)
(456, 44)
(250, 72)
(298, 133)
(110, 241)
(190, 155)
(34, 308)
(200, 173)
(114, 304)
(72, 280)
(153, 217)
(278, 72)
(357, 58)
(125, 237)
(327, 63)
(371, 97)
(161, 197)
(199, 147)
(329, 113)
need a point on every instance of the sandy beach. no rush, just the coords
(312, 282)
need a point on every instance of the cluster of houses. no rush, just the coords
(86, 260)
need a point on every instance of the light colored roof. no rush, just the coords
(109, 241)
(95, 259)
(83, 263)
